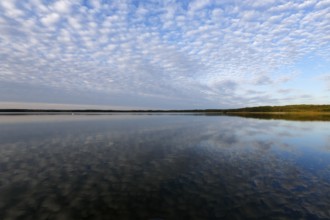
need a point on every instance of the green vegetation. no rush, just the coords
(293, 116)
(286, 108)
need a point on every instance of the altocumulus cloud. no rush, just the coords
(162, 54)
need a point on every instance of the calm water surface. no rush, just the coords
(163, 167)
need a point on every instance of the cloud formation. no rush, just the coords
(197, 53)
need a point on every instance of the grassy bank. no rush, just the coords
(296, 116)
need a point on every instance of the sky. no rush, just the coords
(132, 54)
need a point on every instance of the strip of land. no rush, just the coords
(288, 112)
(259, 109)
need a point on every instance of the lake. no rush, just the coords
(163, 166)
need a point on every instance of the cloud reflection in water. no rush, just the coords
(165, 167)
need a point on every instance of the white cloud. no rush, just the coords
(50, 19)
(198, 4)
(10, 9)
(62, 6)
(323, 4)
(160, 49)
(74, 23)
